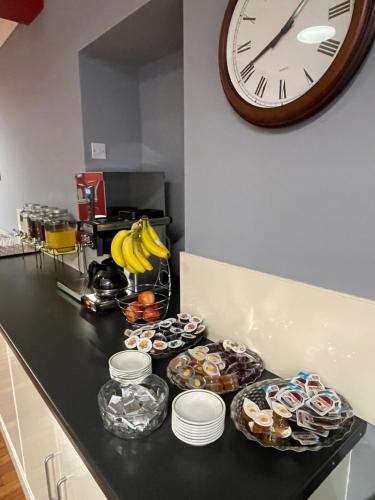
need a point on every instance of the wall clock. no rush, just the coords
(281, 61)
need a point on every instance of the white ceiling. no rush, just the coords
(6, 29)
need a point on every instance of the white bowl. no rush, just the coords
(198, 407)
(128, 362)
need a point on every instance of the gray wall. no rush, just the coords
(110, 110)
(162, 126)
(138, 111)
(41, 142)
(298, 202)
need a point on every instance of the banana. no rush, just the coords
(145, 252)
(130, 257)
(150, 245)
(138, 253)
(116, 248)
(155, 237)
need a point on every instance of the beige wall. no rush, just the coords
(293, 326)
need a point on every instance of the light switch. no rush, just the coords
(98, 151)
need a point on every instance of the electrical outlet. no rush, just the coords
(98, 151)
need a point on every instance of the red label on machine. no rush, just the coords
(91, 195)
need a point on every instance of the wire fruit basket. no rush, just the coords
(139, 314)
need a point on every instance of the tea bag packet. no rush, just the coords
(292, 397)
(271, 393)
(306, 438)
(324, 402)
(115, 407)
(313, 384)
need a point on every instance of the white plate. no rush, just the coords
(197, 429)
(130, 361)
(198, 407)
(204, 439)
(196, 443)
(198, 437)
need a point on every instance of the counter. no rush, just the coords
(65, 349)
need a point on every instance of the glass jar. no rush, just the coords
(24, 220)
(131, 411)
(32, 223)
(60, 231)
(39, 225)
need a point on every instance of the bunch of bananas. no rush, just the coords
(132, 249)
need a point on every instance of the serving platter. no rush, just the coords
(172, 331)
(234, 370)
(255, 393)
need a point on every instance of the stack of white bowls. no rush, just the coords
(130, 366)
(198, 417)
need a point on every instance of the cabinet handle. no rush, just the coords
(47, 460)
(61, 488)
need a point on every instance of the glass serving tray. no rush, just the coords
(254, 371)
(171, 352)
(254, 393)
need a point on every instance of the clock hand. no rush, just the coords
(284, 30)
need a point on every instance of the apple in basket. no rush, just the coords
(133, 312)
(146, 298)
(151, 314)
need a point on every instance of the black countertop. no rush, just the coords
(65, 350)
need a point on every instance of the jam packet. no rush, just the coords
(300, 379)
(305, 419)
(271, 393)
(292, 397)
(322, 403)
(313, 384)
(306, 438)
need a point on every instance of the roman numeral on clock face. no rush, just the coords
(339, 9)
(261, 87)
(329, 47)
(309, 79)
(251, 19)
(247, 72)
(282, 89)
(244, 47)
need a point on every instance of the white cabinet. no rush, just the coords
(74, 475)
(36, 427)
(7, 405)
(43, 451)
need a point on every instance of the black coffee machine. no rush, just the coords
(106, 280)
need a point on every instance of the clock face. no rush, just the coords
(277, 50)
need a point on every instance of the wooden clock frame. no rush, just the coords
(353, 51)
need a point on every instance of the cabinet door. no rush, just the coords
(37, 430)
(7, 405)
(76, 481)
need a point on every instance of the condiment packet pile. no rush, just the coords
(306, 403)
(134, 408)
(169, 335)
(313, 407)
